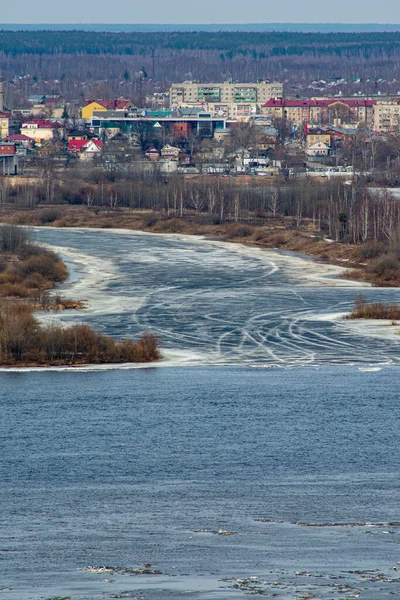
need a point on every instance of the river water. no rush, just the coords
(265, 422)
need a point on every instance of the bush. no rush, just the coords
(238, 230)
(386, 267)
(150, 222)
(46, 264)
(277, 240)
(171, 226)
(28, 249)
(49, 215)
(371, 250)
(14, 290)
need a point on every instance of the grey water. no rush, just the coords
(298, 461)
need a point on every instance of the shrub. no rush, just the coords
(238, 230)
(150, 222)
(35, 281)
(277, 240)
(385, 267)
(375, 310)
(172, 226)
(49, 215)
(46, 264)
(371, 250)
(30, 249)
(14, 290)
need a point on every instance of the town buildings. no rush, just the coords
(319, 111)
(227, 99)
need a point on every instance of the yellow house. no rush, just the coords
(317, 138)
(89, 109)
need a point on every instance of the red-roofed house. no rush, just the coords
(92, 106)
(85, 149)
(42, 130)
(20, 140)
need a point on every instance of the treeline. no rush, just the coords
(270, 43)
(112, 63)
(347, 212)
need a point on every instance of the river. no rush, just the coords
(263, 422)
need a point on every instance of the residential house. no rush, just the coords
(152, 154)
(77, 134)
(318, 149)
(85, 149)
(42, 130)
(92, 106)
(170, 152)
(20, 140)
(317, 136)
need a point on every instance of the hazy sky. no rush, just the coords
(203, 11)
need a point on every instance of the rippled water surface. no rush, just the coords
(131, 467)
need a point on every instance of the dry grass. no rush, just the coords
(375, 310)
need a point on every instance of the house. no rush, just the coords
(52, 148)
(42, 130)
(318, 149)
(20, 140)
(152, 154)
(77, 134)
(169, 152)
(92, 106)
(313, 137)
(85, 149)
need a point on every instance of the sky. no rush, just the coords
(203, 11)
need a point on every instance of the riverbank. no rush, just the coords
(368, 262)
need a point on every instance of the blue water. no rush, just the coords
(134, 466)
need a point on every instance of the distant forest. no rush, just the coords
(116, 58)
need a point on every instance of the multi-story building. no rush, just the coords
(236, 99)
(387, 115)
(319, 111)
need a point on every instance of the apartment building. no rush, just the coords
(387, 115)
(228, 98)
(317, 111)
